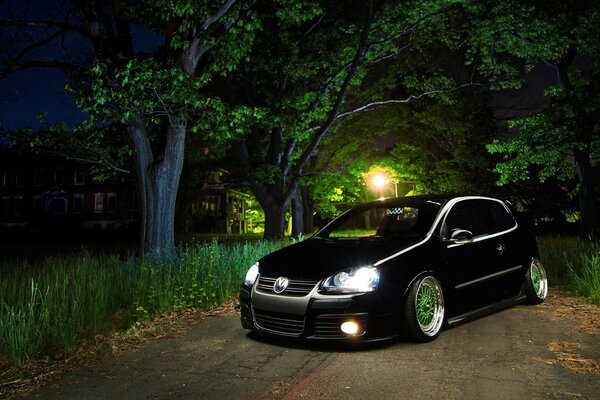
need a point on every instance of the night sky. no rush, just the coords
(25, 94)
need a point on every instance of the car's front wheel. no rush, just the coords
(536, 282)
(424, 310)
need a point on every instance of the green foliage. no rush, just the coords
(572, 263)
(504, 32)
(49, 308)
(542, 144)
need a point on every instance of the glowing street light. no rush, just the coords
(379, 180)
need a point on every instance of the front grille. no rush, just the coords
(246, 314)
(295, 287)
(328, 325)
(286, 324)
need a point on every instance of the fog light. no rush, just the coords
(349, 328)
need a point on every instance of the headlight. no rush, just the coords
(251, 275)
(359, 280)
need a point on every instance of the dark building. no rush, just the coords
(219, 208)
(52, 194)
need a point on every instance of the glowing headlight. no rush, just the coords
(359, 280)
(251, 275)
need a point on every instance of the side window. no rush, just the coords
(501, 219)
(468, 215)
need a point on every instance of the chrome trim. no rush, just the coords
(402, 251)
(489, 277)
(444, 213)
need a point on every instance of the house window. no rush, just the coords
(20, 178)
(78, 202)
(79, 177)
(104, 202)
(9, 178)
(59, 176)
(98, 202)
(18, 210)
(39, 205)
(110, 202)
(6, 205)
(39, 178)
(58, 205)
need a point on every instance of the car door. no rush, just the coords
(472, 265)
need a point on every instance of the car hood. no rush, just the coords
(316, 258)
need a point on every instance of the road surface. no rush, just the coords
(525, 352)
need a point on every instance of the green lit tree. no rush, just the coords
(308, 71)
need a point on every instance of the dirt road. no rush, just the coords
(550, 351)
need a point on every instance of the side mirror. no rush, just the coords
(461, 236)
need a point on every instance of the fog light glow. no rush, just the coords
(349, 328)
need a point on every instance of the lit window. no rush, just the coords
(98, 202)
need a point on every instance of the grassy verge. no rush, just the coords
(48, 308)
(573, 263)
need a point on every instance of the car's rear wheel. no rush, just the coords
(536, 282)
(424, 310)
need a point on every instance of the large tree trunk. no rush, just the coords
(297, 215)
(158, 182)
(274, 221)
(274, 200)
(307, 213)
(587, 196)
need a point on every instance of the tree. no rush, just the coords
(435, 145)
(156, 97)
(304, 74)
(562, 139)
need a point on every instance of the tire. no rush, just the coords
(536, 282)
(424, 311)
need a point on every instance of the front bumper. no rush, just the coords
(317, 316)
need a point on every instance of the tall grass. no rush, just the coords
(48, 308)
(573, 263)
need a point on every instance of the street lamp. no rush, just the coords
(380, 181)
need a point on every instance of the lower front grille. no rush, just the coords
(285, 324)
(246, 314)
(328, 325)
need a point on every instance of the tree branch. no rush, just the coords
(374, 104)
(333, 114)
(216, 16)
(88, 161)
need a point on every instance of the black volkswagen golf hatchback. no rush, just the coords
(396, 266)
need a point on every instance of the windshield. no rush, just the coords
(380, 221)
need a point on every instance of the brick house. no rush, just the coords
(45, 193)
